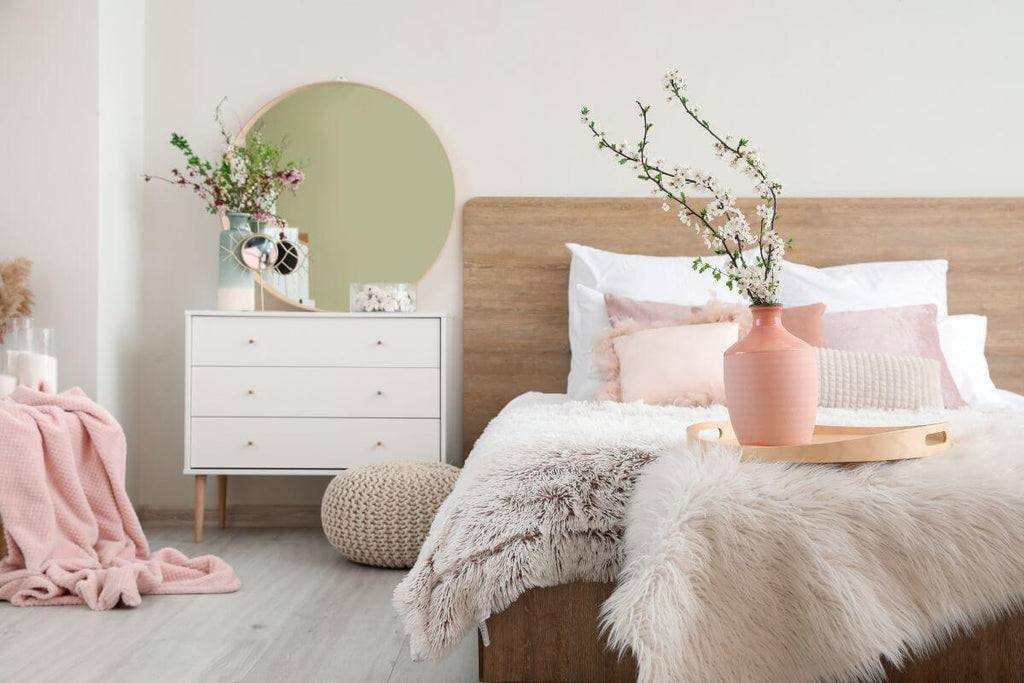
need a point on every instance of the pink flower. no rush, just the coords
(292, 176)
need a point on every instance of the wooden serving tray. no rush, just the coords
(834, 444)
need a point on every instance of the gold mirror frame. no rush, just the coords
(266, 289)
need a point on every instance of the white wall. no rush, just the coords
(872, 98)
(48, 174)
(121, 30)
(71, 109)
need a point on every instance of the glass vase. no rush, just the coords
(382, 297)
(37, 360)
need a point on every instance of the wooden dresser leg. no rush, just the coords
(200, 505)
(222, 500)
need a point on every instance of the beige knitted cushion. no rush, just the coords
(857, 379)
(380, 514)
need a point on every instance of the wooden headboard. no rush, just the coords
(516, 272)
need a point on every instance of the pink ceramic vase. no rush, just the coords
(771, 384)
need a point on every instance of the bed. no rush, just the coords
(515, 341)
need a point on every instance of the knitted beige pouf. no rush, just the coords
(380, 514)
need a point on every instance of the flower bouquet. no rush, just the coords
(244, 184)
(248, 177)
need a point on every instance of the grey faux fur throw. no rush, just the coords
(732, 571)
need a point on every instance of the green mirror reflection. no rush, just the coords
(378, 199)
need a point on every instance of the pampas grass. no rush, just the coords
(16, 299)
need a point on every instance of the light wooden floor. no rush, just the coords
(303, 614)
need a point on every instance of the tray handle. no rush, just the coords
(695, 432)
(936, 438)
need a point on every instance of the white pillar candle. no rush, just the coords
(11, 361)
(7, 384)
(37, 371)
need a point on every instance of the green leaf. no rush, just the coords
(729, 285)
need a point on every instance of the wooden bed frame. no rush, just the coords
(516, 271)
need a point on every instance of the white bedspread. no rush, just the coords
(542, 501)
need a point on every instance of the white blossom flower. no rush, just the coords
(674, 80)
(239, 169)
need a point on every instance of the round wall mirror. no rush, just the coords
(378, 199)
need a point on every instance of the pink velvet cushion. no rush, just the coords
(901, 331)
(802, 321)
(679, 365)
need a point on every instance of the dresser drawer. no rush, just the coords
(316, 341)
(315, 392)
(309, 443)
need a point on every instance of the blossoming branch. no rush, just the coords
(722, 224)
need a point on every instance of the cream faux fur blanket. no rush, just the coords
(729, 568)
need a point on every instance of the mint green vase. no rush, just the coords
(257, 226)
(234, 282)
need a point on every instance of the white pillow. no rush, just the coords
(591, 324)
(962, 338)
(668, 279)
(865, 286)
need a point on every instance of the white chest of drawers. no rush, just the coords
(313, 393)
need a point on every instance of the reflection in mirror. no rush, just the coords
(378, 198)
(288, 256)
(258, 252)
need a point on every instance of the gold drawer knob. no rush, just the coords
(252, 392)
(380, 342)
(380, 393)
(252, 340)
(251, 443)
(379, 444)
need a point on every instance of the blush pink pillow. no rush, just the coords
(607, 360)
(679, 365)
(901, 331)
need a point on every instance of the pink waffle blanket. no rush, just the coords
(72, 534)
